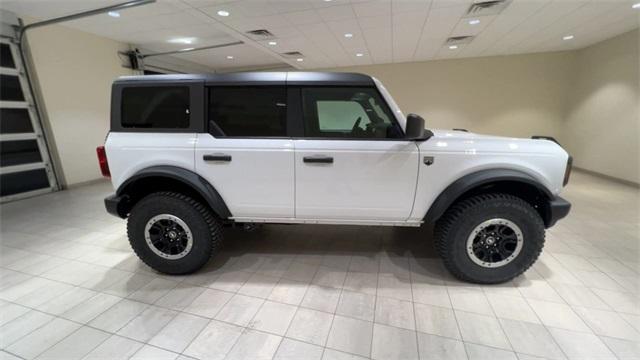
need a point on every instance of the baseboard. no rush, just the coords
(85, 183)
(608, 177)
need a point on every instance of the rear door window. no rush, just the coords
(248, 111)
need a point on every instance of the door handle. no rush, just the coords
(318, 159)
(217, 157)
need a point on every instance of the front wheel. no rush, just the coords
(489, 238)
(173, 233)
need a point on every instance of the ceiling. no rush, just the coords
(384, 31)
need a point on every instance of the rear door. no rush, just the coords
(246, 153)
(353, 162)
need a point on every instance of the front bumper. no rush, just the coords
(117, 205)
(558, 209)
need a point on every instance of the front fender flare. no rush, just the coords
(189, 178)
(474, 180)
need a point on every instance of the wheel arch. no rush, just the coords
(170, 178)
(507, 181)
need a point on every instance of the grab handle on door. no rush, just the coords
(217, 157)
(318, 159)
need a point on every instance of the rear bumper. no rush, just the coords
(558, 209)
(116, 205)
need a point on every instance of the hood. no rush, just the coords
(460, 134)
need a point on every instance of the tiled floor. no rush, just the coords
(71, 288)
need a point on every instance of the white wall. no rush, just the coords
(75, 71)
(602, 127)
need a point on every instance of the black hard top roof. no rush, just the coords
(259, 78)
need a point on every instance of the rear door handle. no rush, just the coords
(217, 157)
(318, 159)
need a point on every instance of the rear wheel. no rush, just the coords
(173, 233)
(489, 238)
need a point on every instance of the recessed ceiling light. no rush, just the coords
(299, 59)
(348, 35)
(636, 6)
(359, 54)
(474, 22)
(273, 43)
(568, 37)
(223, 13)
(114, 14)
(186, 40)
(453, 47)
(229, 57)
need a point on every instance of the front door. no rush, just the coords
(246, 155)
(353, 163)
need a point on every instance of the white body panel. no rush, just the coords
(457, 154)
(368, 180)
(259, 179)
(129, 153)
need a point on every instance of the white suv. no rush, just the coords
(188, 154)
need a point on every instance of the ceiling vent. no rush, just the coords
(485, 8)
(459, 40)
(292, 55)
(260, 34)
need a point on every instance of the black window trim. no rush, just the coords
(372, 87)
(218, 133)
(196, 106)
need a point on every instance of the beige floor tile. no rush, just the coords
(363, 282)
(273, 318)
(479, 352)
(436, 321)
(179, 332)
(293, 350)
(394, 312)
(91, 308)
(393, 287)
(393, 343)
(115, 348)
(146, 325)
(153, 291)
(481, 329)
(21, 326)
(530, 338)
(579, 345)
(331, 354)
(623, 349)
(76, 345)
(215, 341)
(289, 292)
(356, 305)
(258, 286)
(434, 347)
(608, 323)
(351, 335)
(153, 353)
(209, 303)
(310, 326)
(558, 315)
(514, 308)
(118, 315)
(321, 298)
(239, 310)
(42, 338)
(329, 277)
(180, 297)
(254, 345)
(470, 301)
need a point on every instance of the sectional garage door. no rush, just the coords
(25, 166)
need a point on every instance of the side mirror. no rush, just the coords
(415, 128)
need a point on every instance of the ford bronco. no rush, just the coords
(189, 154)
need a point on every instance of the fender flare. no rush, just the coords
(474, 180)
(189, 178)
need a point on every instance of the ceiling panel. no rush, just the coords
(382, 31)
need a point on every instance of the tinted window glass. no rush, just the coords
(163, 107)
(249, 111)
(356, 113)
(10, 89)
(6, 59)
(15, 121)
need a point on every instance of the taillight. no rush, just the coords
(102, 160)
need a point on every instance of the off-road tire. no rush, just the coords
(455, 226)
(205, 228)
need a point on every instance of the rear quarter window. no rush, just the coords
(163, 107)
